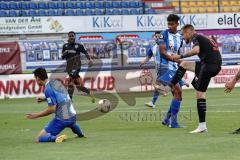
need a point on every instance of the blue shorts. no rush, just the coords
(165, 75)
(55, 126)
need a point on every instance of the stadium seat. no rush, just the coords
(3, 13)
(192, 4)
(184, 4)
(125, 4)
(13, 5)
(193, 9)
(212, 9)
(52, 12)
(70, 12)
(202, 9)
(226, 9)
(89, 12)
(23, 13)
(109, 12)
(98, 12)
(24, 5)
(60, 5)
(175, 4)
(200, 4)
(185, 10)
(71, 5)
(79, 12)
(134, 11)
(52, 5)
(81, 5)
(235, 9)
(108, 5)
(116, 12)
(42, 5)
(125, 11)
(225, 3)
(4, 6)
(33, 5)
(13, 13)
(133, 4)
(32, 13)
(151, 11)
(42, 13)
(116, 4)
(99, 5)
(90, 5)
(234, 3)
(60, 12)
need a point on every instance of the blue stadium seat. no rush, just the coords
(116, 12)
(98, 12)
(109, 12)
(60, 5)
(52, 5)
(3, 14)
(42, 13)
(32, 13)
(24, 5)
(23, 13)
(73, 0)
(90, 5)
(79, 12)
(108, 5)
(70, 12)
(3, 6)
(13, 5)
(116, 4)
(99, 5)
(81, 5)
(13, 13)
(33, 5)
(151, 11)
(133, 4)
(60, 12)
(125, 4)
(52, 12)
(89, 12)
(42, 5)
(71, 5)
(125, 11)
(134, 11)
(140, 11)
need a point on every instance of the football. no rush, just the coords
(104, 105)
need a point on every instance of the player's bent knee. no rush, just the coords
(184, 64)
(201, 95)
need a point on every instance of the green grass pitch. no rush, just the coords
(128, 132)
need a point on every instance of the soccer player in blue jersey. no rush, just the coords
(59, 103)
(169, 42)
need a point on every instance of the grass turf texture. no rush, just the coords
(120, 135)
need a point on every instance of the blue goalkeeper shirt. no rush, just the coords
(57, 95)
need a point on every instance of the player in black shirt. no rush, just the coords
(71, 52)
(208, 67)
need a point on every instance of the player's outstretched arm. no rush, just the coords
(46, 112)
(229, 86)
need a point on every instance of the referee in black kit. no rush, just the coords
(71, 52)
(208, 67)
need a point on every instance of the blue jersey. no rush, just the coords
(57, 95)
(172, 43)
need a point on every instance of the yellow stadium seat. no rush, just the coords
(226, 9)
(194, 10)
(234, 3)
(185, 10)
(175, 4)
(209, 4)
(200, 4)
(215, 3)
(184, 4)
(192, 4)
(225, 3)
(211, 9)
(235, 9)
(202, 10)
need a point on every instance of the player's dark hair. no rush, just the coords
(40, 73)
(71, 32)
(157, 32)
(173, 18)
(188, 26)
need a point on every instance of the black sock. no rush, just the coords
(178, 75)
(202, 107)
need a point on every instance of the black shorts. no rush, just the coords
(74, 74)
(203, 74)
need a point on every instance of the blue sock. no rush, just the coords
(76, 129)
(47, 138)
(155, 97)
(175, 106)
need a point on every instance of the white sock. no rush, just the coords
(202, 125)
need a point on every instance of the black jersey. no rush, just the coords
(209, 52)
(73, 55)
